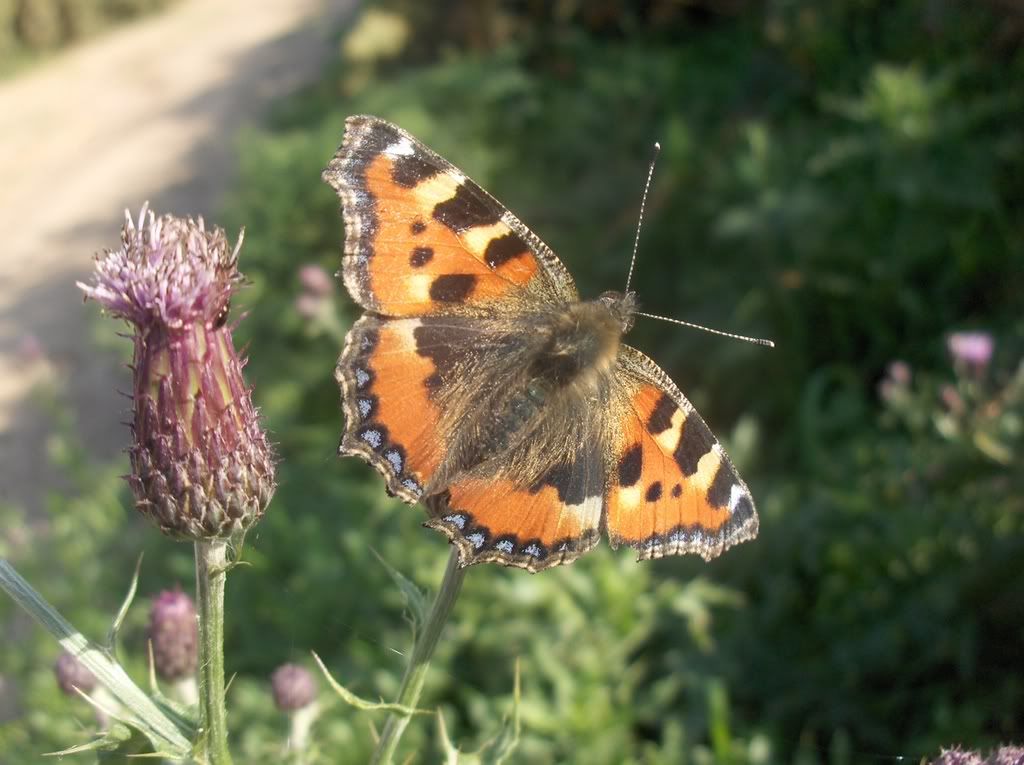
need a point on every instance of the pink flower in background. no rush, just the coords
(308, 306)
(174, 635)
(293, 686)
(72, 674)
(315, 280)
(971, 349)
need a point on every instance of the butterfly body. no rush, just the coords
(479, 384)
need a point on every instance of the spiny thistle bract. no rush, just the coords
(201, 464)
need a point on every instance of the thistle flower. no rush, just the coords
(293, 686)
(971, 349)
(72, 674)
(201, 465)
(1004, 755)
(174, 635)
(957, 756)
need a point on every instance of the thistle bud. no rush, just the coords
(174, 635)
(294, 687)
(201, 465)
(72, 674)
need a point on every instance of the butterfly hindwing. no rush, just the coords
(671, 488)
(393, 375)
(552, 521)
(422, 239)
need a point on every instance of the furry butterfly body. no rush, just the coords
(478, 383)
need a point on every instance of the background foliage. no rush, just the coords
(845, 178)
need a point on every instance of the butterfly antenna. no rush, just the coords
(754, 340)
(640, 221)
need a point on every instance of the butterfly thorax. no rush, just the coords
(581, 341)
(566, 365)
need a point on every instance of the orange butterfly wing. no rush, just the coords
(422, 239)
(671, 488)
(547, 524)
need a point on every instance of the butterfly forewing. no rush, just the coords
(423, 239)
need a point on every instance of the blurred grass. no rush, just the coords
(844, 178)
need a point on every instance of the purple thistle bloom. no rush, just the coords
(1004, 755)
(957, 756)
(201, 465)
(71, 674)
(293, 686)
(973, 349)
(174, 634)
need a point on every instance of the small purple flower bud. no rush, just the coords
(973, 349)
(293, 686)
(201, 465)
(315, 280)
(174, 634)
(71, 674)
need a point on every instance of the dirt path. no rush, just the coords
(147, 112)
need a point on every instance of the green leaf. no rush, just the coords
(122, 612)
(360, 703)
(141, 710)
(496, 750)
(414, 599)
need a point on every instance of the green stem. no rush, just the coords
(211, 572)
(419, 662)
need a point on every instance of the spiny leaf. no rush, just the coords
(122, 612)
(414, 599)
(353, 700)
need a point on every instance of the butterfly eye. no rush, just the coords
(622, 307)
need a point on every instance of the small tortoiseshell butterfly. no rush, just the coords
(478, 383)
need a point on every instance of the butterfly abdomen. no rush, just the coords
(562, 367)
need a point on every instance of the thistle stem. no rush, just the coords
(211, 572)
(419, 661)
